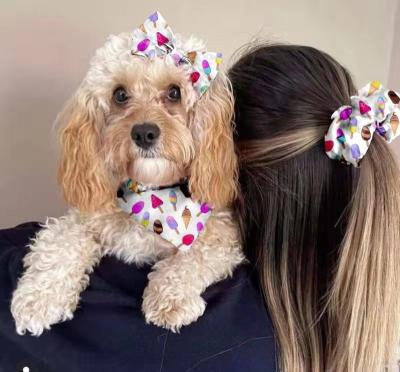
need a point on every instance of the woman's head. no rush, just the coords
(322, 234)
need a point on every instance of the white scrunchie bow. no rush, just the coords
(374, 109)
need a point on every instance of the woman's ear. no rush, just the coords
(82, 174)
(213, 176)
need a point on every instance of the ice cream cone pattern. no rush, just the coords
(161, 39)
(154, 18)
(133, 186)
(167, 211)
(155, 39)
(218, 60)
(199, 226)
(173, 198)
(204, 208)
(365, 133)
(373, 87)
(341, 137)
(328, 145)
(187, 240)
(145, 219)
(345, 113)
(374, 110)
(394, 97)
(381, 130)
(186, 216)
(191, 57)
(364, 108)
(206, 68)
(143, 45)
(177, 58)
(137, 207)
(355, 151)
(194, 76)
(156, 203)
(204, 88)
(158, 227)
(394, 123)
(173, 225)
(353, 126)
(380, 105)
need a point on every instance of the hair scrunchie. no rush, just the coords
(374, 109)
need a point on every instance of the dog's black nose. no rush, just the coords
(145, 135)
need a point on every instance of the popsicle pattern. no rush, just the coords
(374, 109)
(167, 212)
(155, 38)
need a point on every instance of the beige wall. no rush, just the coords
(394, 73)
(45, 46)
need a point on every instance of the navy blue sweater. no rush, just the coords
(108, 332)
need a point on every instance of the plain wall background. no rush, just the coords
(46, 45)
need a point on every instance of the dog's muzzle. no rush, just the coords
(145, 135)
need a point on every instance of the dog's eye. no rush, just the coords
(174, 93)
(120, 96)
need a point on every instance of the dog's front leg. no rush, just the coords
(56, 272)
(172, 298)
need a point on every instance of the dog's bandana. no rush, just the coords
(154, 38)
(374, 109)
(169, 212)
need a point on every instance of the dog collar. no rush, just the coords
(139, 188)
(168, 211)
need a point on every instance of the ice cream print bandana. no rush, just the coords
(169, 212)
(154, 38)
(374, 109)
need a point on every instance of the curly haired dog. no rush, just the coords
(194, 139)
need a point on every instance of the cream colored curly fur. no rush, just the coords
(97, 154)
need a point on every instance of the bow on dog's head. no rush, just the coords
(155, 39)
(155, 117)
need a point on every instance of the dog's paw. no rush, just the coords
(35, 311)
(170, 306)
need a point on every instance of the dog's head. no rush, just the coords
(140, 118)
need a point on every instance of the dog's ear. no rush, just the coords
(81, 172)
(213, 176)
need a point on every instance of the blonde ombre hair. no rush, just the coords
(324, 236)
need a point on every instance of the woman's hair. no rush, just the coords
(324, 236)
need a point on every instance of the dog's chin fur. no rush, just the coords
(155, 171)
